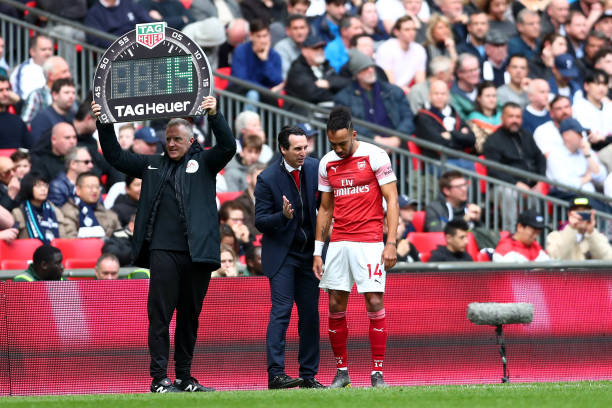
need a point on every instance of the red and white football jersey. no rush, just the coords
(355, 182)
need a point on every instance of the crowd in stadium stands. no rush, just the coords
(523, 83)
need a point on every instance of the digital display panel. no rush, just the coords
(152, 76)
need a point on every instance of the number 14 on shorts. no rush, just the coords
(376, 272)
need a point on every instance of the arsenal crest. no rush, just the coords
(151, 34)
(361, 165)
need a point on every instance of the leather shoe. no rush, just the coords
(311, 383)
(283, 381)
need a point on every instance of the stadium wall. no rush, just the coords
(91, 336)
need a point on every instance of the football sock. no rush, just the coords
(378, 338)
(338, 332)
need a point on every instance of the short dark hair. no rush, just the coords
(285, 132)
(558, 98)
(84, 109)
(105, 256)
(82, 176)
(596, 34)
(44, 253)
(345, 22)
(479, 89)
(340, 118)
(511, 105)
(34, 40)
(258, 25)
(355, 39)
(597, 76)
(129, 180)
(447, 177)
(336, 2)
(4, 78)
(295, 17)
(293, 3)
(251, 141)
(58, 84)
(27, 185)
(521, 56)
(19, 155)
(226, 207)
(454, 225)
(601, 54)
(402, 20)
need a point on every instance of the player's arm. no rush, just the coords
(324, 219)
(389, 256)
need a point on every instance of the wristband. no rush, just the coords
(392, 243)
(318, 248)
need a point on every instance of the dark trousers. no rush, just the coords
(295, 281)
(176, 283)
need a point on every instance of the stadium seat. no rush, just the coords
(418, 220)
(17, 254)
(425, 257)
(413, 148)
(80, 263)
(221, 83)
(482, 170)
(229, 196)
(483, 257)
(425, 242)
(79, 250)
(7, 152)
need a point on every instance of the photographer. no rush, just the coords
(579, 239)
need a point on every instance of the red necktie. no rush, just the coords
(296, 177)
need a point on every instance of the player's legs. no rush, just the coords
(378, 328)
(338, 333)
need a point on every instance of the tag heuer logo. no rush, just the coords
(150, 34)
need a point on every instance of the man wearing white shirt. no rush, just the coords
(547, 135)
(29, 75)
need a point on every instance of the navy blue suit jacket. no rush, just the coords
(278, 231)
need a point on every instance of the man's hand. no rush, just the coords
(389, 256)
(241, 231)
(596, 137)
(9, 235)
(322, 83)
(210, 104)
(13, 187)
(473, 212)
(446, 135)
(403, 247)
(287, 208)
(587, 178)
(317, 266)
(96, 109)
(585, 146)
(263, 53)
(522, 185)
(155, 15)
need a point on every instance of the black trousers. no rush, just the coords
(178, 284)
(294, 282)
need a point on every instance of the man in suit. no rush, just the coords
(285, 206)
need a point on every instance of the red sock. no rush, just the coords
(338, 332)
(378, 338)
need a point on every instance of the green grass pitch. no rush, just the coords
(540, 395)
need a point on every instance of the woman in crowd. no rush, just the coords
(23, 163)
(486, 118)
(499, 16)
(36, 217)
(230, 266)
(552, 46)
(440, 38)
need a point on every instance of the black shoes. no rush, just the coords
(191, 385)
(377, 380)
(283, 381)
(341, 380)
(163, 386)
(311, 383)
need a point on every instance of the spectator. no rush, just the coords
(577, 30)
(494, 66)
(536, 112)
(477, 28)
(253, 261)
(593, 43)
(271, 10)
(86, 217)
(336, 52)
(247, 198)
(46, 266)
(371, 24)
(13, 132)
(22, 162)
(256, 62)
(390, 10)
(312, 78)
(327, 25)
(486, 117)
(456, 235)
(8, 232)
(125, 135)
(590, 9)
(63, 95)
(575, 164)
(226, 10)
(463, 90)
(515, 90)
(293, 7)
(523, 245)
(289, 47)
(439, 38)
(403, 59)
(115, 17)
(603, 62)
(526, 42)
(407, 207)
(107, 267)
(440, 68)
(237, 33)
(579, 239)
(365, 45)
(375, 101)
(230, 267)
(232, 213)
(498, 21)
(209, 34)
(120, 243)
(249, 123)
(29, 75)
(37, 217)
(311, 139)
(565, 77)
(554, 18)
(78, 160)
(604, 23)
(551, 47)
(9, 184)
(594, 112)
(54, 68)
(50, 163)
(513, 146)
(547, 135)
(228, 237)
(440, 124)
(145, 141)
(173, 12)
(126, 204)
(236, 169)
(452, 204)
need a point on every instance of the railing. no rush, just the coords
(419, 183)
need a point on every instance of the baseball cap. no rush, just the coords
(580, 202)
(308, 129)
(604, 15)
(531, 218)
(566, 64)
(206, 33)
(405, 201)
(313, 40)
(147, 134)
(358, 61)
(495, 37)
(570, 124)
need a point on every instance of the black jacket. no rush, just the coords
(429, 126)
(196, 178)
(442, 254)
(516, 150)
(124, 207)
(48, 164)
